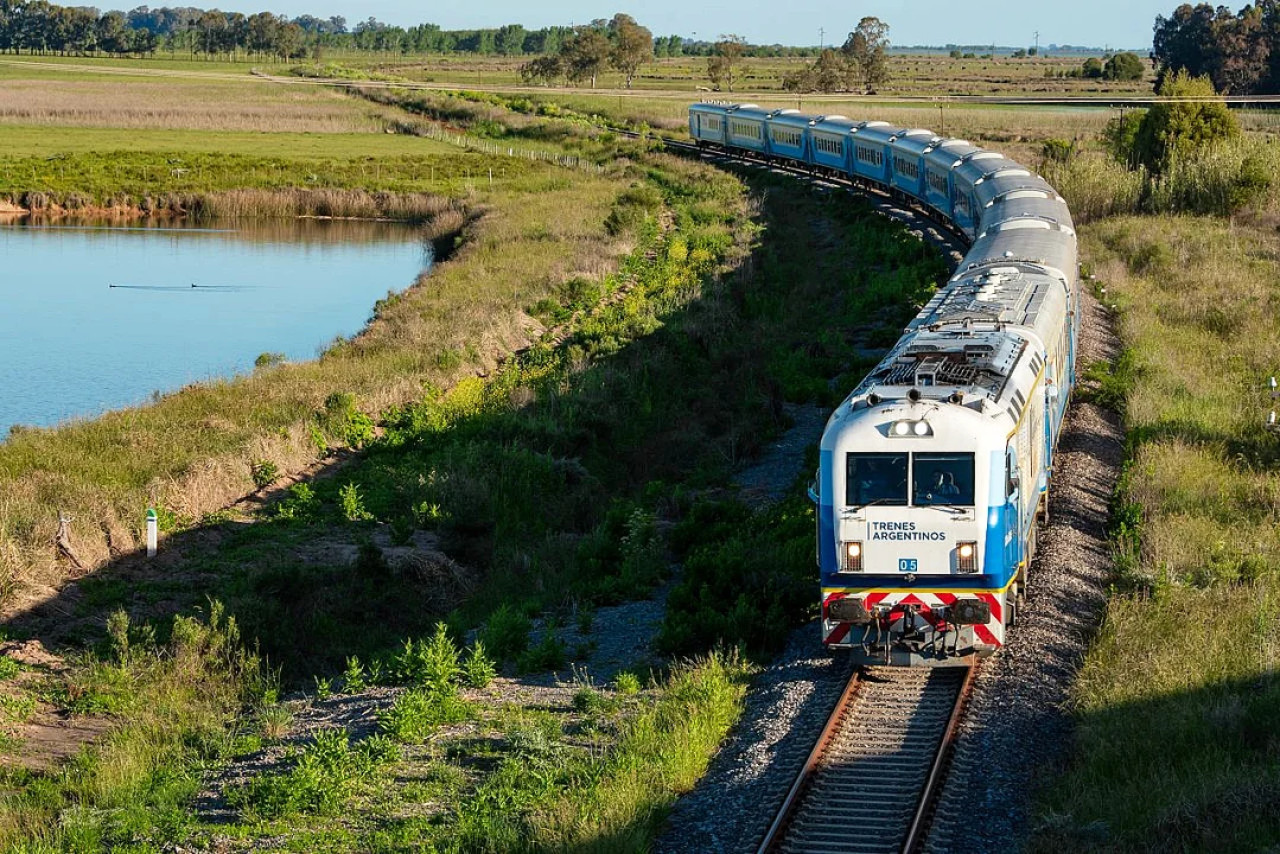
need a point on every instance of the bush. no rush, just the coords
(1172, 131)
(478, 669)
(549, 654)
(506, 633)
(343, 421)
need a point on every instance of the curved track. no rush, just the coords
(870, 783)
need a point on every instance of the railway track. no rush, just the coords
(870, 782)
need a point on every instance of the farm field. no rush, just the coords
(264, 686)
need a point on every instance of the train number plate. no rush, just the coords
(907, 564)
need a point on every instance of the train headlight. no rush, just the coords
(966, 557)
(910, 428)
(853, 557)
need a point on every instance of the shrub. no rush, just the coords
(1173, 130)
(354, 678)
(506, 633)
(268, 360)
(325, 775)
(432, 664)
(342, 420)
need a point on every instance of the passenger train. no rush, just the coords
(934, 471)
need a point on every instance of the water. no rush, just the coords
(96, 317)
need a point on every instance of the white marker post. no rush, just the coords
(151, 532)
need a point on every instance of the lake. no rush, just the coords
(97, 317)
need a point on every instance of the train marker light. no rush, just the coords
(853, 557)
(902, 428)
(967, 557)
(921, 429)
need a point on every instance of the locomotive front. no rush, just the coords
(913, 523)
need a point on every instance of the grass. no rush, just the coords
(1176, 698)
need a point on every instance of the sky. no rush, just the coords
(1095, 23)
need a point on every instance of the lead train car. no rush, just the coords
(934, 470)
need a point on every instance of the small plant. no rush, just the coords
(324, 688)
(268, 360)
(343, 420)
(432, 664)
(626, 683)
(506, 634)
(353, 504)
(549, 654)
(401, 529)
(299, 504)
(478, 669)
(9, 668)
(274, 721)
(354, 677)
(118, 632)
(264, 473)
(586, 616)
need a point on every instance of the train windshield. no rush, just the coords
(942, 479)
(876, 479)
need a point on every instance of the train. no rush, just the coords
(935, 471)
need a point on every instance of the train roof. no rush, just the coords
(833, 124)
(949, 152)
(790, 118)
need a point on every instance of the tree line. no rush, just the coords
(1238, 51)
(37, 26)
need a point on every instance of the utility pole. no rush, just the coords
(822, 38)
(1037, 42)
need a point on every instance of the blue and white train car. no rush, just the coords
(871, 151)
(830, 143)
(709, 122)
(788, 135)
(747, 129)
(940, 162)
(906, 162)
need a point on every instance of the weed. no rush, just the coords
(478, 670)
(9, 668)
(299, 504)
(354, 677)
(416, 714)
(626, 683)
(274, 721)
(352, 504)
(324, 688)
(548, 654)
(325, 775)
(264, 473)
(506, 633)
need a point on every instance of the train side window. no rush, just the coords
(1011, 473)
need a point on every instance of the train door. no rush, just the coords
(1012, 508)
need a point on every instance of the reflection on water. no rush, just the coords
(97, 315)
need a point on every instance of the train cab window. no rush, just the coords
(876, 479)
(942, 479)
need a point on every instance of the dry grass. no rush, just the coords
(185, 105)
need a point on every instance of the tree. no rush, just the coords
(510, 40)
(1172, 129)
(866, 51)
(585, 53)
(632, 46)
(543, 69)
(1184, 41)
(829, 73)
(1123, 66)
(1092, 68)
(112, 33)
(725, 56)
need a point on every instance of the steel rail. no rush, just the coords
(794, 796)
(923, 818)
